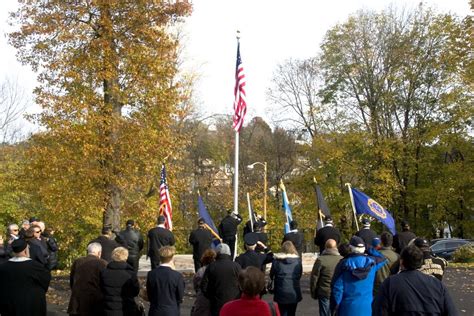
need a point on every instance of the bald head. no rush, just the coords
(331, 244)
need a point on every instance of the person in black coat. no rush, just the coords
(326, 233)
(131, 239)
(52, 247)
(201, 239)
(220, 283)
(403, 238)
(24, 283)
(37, 249)
(119, 285)
(165, 286)
(296, 237)
(366, 233)
(412, 292)
(251, 258)
(158, 237)
(107, 243)
(228, 230)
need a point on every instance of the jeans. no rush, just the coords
(324, 309)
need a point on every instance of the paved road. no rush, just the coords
(460, 283)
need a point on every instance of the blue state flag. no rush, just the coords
(204, 214)
(286, 208)
(365, 205)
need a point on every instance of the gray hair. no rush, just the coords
(223, 249)
(11, 226)
(357, 249)
(94, 248)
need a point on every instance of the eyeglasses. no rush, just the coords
(37, 231)
(14, 230)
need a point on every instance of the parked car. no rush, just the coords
(446, 247)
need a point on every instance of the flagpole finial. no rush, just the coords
(238, 35)
(199, 193)
(314, 180)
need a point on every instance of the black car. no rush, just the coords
(446, 247)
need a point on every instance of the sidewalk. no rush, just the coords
(184, 264)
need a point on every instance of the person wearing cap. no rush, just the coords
(108, 244)
(321, 276)
(295, 236)
(432, 265)
(220, 280)
(86, 295)
(258, 224)
(251, 258)
(158, 237)
(412, 292)
(353, 281)
(200, 239)
(228, 229)
(165, 286)
(24, 283)
(131, 239)
(402, 239)
(384, 247)
(366, 233)
(325, 233)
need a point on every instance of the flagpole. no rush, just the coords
(236, 171)
(250, 211)
(353, 205)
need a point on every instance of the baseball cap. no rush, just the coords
(421, 243)
(365, 222)
(357, 242)
(328, 219)
(130, 222)
(376, 241)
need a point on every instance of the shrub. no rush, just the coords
(464, 253)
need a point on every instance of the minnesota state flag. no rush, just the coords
(365, 205)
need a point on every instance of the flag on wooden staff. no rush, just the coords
(165, 201)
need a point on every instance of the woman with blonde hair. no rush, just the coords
(285, 274)
(119, 285)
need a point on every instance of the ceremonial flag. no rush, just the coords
(286, 207)
(240, 103)
(204, 214)
(165, 201)
(323, 209)
(365, 205)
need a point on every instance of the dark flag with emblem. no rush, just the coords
(365, 205)
(323, 209)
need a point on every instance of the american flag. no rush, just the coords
(165, 202)
(240, 104)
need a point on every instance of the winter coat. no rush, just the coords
(201, 306)
(157, 238)
(251, 258)
(393, 259)
(38, 251)
(325, 233)
(321, 275)
(52, 247)
(353, 283)
(402, 239)
(412, 293)
(228, 226)
(120, 286)
(248, 306)
(132, 240)
(200, 239)
(86, 294)
(220, 283)
(286, 273)
(23, 288)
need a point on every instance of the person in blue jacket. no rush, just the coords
(353, 281)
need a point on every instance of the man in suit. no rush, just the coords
(296, 237)
(228, 230)
(158, 237)
(108, 244)
(326, 233)
(251, 258)
(402, 239)
(201, 239)
(131, 239)
(84, 280)
(165, 286)
(24, 283)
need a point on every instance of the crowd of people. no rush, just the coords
(371, 275)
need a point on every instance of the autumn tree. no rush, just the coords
(110, 96)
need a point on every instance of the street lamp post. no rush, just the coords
(264, 164)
